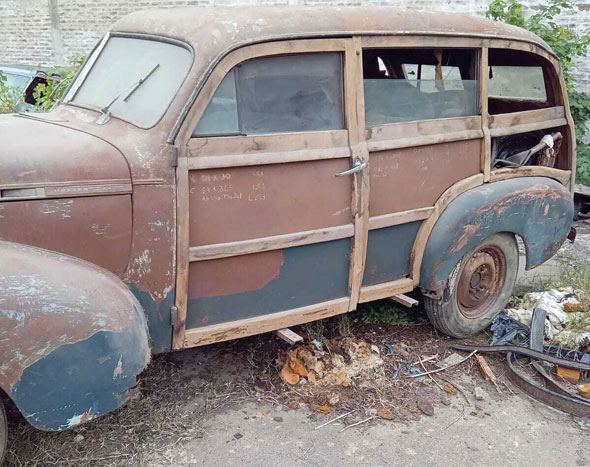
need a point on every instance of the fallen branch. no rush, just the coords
(445, 368)
(430, 376)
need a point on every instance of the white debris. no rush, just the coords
(553, 302)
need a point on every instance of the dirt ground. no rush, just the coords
(227, 404)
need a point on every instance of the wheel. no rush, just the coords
(478, 288)
(3, 432)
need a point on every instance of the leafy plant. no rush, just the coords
(386, 314)
(47, 94)
(10, 96)
(568, 45)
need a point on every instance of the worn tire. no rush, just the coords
(478, 288)
(3, 432)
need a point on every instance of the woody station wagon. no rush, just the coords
(217, 173)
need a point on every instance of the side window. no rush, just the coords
(284, 94)
(403, 85)
(517, 82)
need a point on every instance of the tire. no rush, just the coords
(478, 288)
(3, 432)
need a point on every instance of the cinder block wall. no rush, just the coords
(53, 31)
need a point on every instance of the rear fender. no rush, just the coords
(73, 338)
(540, 210)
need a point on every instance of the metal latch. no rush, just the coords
(174, 316)
(358, 166)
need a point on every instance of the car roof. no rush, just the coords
(212, 31)
(22, 70)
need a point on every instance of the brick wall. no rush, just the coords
(52, 31)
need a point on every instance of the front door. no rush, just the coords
(271, 227)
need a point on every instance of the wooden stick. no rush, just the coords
(333, 420)
(357, 423)
(445, 368)
(430, 376)
(404, 300)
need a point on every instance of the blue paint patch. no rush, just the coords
(310, 274)
(79, 382)
(158, 317)
(388, 253)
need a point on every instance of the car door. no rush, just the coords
(269, 193)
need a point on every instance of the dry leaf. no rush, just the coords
(571, 307)
(385, 414)
(294, 405)
(311, 377)
(287, 374)
(239, 379)
(450, 390)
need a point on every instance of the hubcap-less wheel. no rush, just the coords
(481, 281)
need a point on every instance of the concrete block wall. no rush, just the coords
(53, 31)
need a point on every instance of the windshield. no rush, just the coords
(146, 74)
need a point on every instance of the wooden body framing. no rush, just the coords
(354, 143)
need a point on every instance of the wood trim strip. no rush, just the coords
(424, 140)
(258, 144)
(526, 127)
(182, 251)
(275, 157)
(248, 327)
(276, 242)
(403, 217)
(386, 290)
(355, 111)
(422, 238)
(562, 176)
(526, 117)
(486, 144)
(420, 128)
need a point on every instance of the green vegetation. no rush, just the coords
(9, 96)
(380, 313)
(568, 45)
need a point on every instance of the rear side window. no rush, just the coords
(403, 85)
(286, 94)
(517, 83)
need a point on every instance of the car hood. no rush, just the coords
(43, 159)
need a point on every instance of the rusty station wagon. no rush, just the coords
(217, 173)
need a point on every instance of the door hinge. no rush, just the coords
(173, 156)
(173, 316)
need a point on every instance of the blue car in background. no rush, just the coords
(25, 78)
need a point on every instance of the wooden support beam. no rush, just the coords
(289, 336)
(404, 300)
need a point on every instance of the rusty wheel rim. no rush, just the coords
(481, 281)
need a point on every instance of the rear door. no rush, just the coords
(269, 229)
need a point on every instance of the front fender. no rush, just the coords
(73, 337)
(538, 209)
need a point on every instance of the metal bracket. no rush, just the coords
(173, 155)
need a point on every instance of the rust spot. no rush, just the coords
(238, 274)
(434, 271)
(469, 231)
(537, 192)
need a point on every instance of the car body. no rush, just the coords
(227, 173)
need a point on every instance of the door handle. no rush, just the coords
(358, 166)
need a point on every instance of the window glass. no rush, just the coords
(517, 83)
(284, 94)
(138, 77)
(418, 85)
(14, 80)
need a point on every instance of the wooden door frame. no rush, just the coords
(190, 157)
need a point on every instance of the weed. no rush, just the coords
(386, 314)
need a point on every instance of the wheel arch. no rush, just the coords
(537, 209)
(73, 337)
